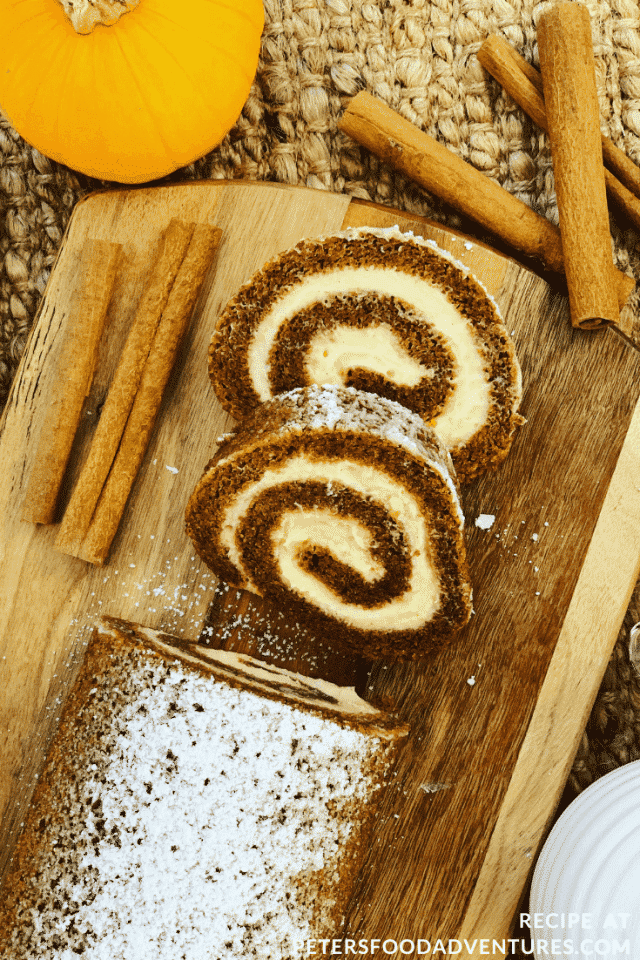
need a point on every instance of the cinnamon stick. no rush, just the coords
(524, 84)
(123, 388)
(173, 323)
(567, 66)
(428, 163)
(74, 375)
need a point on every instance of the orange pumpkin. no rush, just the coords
(127, 90)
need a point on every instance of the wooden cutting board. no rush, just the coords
(495, 719)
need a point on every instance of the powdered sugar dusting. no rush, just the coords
(328, 407)
(194, 822)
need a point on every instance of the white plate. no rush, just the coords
(586, 884)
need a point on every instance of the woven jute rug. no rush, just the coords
(419, 56)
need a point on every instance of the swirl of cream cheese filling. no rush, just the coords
(378, 348)
(347, 539)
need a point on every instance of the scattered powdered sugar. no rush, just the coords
(198, 817)
(332, 407)
(327, 407)
(329, 411)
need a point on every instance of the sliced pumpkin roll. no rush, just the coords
(381, 311)
(343, 507)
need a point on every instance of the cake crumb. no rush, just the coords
(485, 521)
(434, 787)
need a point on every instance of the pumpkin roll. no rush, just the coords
(343, 507)
(194, 803)
(385, 312)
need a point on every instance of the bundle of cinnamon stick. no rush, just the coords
(581, 248)
(91, 519)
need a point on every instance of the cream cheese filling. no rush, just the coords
(259, 675)
(300, 528)
(347, 539)
(467, 406)
(378, 349)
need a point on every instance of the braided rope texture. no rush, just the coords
(419, 56)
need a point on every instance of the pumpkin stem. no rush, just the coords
(85, 14)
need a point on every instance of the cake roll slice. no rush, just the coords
(381, 311)
(194, 805)
(343, 507)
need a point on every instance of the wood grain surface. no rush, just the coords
(552, 576)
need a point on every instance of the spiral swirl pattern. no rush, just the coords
(343, 506)
(384, 312)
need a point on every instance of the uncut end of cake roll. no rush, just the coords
(194, 804)
(343, 508)
(382, 311)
